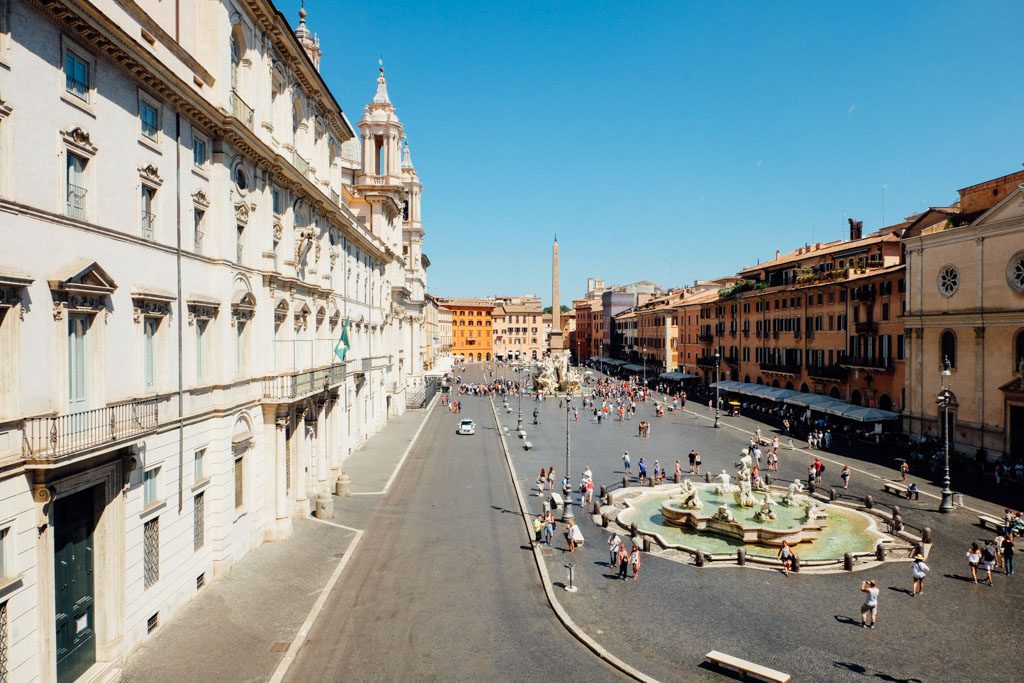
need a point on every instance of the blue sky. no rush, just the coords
(675, 141)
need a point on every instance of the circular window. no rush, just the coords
(1015, 272)
(241, 180)
(948, 280)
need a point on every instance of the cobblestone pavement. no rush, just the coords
(805, 624)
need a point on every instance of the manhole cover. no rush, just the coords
(279, 647)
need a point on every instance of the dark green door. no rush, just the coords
(73, 584)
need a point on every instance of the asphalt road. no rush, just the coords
(443, 585)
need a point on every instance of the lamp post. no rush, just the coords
(519, 390)
(944, 400)
(718, 360)
(567, 515)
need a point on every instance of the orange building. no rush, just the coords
(472, 328)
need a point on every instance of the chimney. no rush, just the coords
(777, 254)
(855, 228)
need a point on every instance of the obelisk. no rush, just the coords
(555, 343)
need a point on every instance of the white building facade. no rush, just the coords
(185, 238)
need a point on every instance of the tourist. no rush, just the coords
(988, 559)
(693, 458)
(973, 555)
(573, 535)
(623, 559)
(757, 455)
(696, 462)
(590, 490)
(627, 466)
(634, 559)
(551, 479)
(538, 530)
(870, 606)
(812, 474)
(641, 467)
(773, 460)
(549, 528)
(918, 570)
(679, 471)
(614, 543)
(904, 469)
(845, 474)
(1008, 554)
(786, 555)
(540, 481)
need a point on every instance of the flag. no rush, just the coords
(342, 347)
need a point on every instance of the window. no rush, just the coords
(239, 244)
(275, 199)
(149, 118)
(198, 150)
(900, 351)
(198, 223)
(78, 326)
(147, 220)
(199, 521)
(151, 552)
(885, 311)
(1018, 351)
(76, 190)
(150, 486)
(149, 326)
(200, 350)
(239, 348)
(947, 348)
(948, 280)
(1015, 272)
(76, 75)
(239, 482)
(199, 465)
(7, 554)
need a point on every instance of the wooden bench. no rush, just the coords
(527, 446)
(744, 667)
(990, 523)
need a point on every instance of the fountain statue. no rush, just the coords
(688, 497)
(723, 514)
(815, 512)
(724, 487)
(555, 375)
(743, 494)
(789, 499)
(766, 512)
(758, 485)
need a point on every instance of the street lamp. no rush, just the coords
(519, 422)
(944, 400)
(567, 515)
(718, 360)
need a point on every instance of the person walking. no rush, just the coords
(614, 543)
(904, 469)
(973, 556)
(551, 479)
(918, 570)
(988, 559)
(870, 607)
(786, 555)
(1008, 554)
(634, 559)
(692, 457)
(845, 474)
(627, 466)
(696, 462)
(623, 558)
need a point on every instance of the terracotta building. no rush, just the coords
(518, 328)
(472, 328)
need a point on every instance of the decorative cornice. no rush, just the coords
(151, 173)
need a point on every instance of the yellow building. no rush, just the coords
(472, 328)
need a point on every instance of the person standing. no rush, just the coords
(614, 543)
(641, 467)
(696, 462)
(538, 529)
(988, 560)
(870, 607)
(904, 469)
(1008, 554)
(549, 528)
(551, 479)
(634, 559)
(845, 474)
(786, 555)
(973, 556)
(918, 570)
(627, 466)
(692, 457)
(623, 559)
(679, 471)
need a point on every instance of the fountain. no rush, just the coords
(555, 375)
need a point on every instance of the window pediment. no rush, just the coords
(151, 303)
(11, 283)
(79, 141)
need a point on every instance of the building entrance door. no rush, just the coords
(73, 584)
(1016, 432)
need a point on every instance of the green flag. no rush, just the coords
(342, 347)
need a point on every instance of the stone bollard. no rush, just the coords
(632, 529)
(768, 479)
(324, 506)
(647, 544)
(676, 477)
(650, 483)
(341, 485)
(796, 563)
(848, 562)
(869, 502)
(880, 552)
(707, 477)
(741, 557)
(832, 495)
(604, 522)
(699, 559)
(597, 507)
(897, 523)
(625, 482)
(604, 492)
(926, 535)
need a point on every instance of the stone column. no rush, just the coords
(301, 458)
(321, 449)
(556, 312)
(282, 527)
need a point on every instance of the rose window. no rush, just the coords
(949, 280)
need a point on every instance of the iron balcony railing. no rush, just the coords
(866, 327)
(50, 439)
(704, 338)
(868, 362)
(148, 224)
(240, 110)
(785, 368)
(76, 87)
(301, 384)
(706, 361)
(76, 202)
(299, 163)
(828, 371)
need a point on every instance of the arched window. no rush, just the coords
(855, 397)
(947, 348)
(884, 402)
(834, 393)
(1018, 351)
(296, 116)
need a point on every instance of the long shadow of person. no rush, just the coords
(843, 619)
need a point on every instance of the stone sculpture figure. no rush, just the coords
(766, 512)
(723, 487)
(723, 514)
(789, 499)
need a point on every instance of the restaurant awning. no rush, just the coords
(816, 402)
(677, 376)
(635, 368)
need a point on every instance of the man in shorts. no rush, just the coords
(870, 606)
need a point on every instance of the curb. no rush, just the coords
(545, 579)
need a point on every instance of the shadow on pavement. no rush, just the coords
(843, 619)
(864, 671)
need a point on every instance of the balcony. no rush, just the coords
(300, 164)
(704, 338)
(706, 361)
(240, 110)
(836, 372)
(867, 363)
(148, 225)
(51, 440)
(76, 202)
(781, 368)
(298, 385)
(866, 327)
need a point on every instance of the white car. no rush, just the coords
(466, 427)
